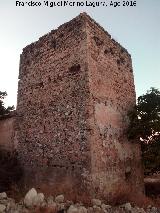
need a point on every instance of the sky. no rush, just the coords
(137, 28)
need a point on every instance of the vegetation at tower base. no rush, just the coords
(10, 170)
(4, 111)
(145, 126)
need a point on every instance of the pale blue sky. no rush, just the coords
(136, 28)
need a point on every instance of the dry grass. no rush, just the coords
(140, 200)
(126, 194)
(44, 210)
(69, 191)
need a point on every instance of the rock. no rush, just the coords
(149, 207)
(105, 210)
(154, 210)
(50, 200)
(2, 208)
(53, 205)
(29, 198)
(38, 200)
(11, 205)
(97, 209)
(78, 204)
(3, 195)
(137, 210)
(16, 211)
(59, 199)
(82, 209)
(90, 210)
(72, 209)
(24, 210)
(4, 201)
(68, 203)
(60, 206)
(104, 206)
(96, 202)
(127, 206)
(141, 210)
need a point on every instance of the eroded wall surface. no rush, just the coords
(52, 97)
(75, 88)
(116, 162)
(7, 133)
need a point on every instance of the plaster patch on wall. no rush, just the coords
(105, 116)
(120, 149)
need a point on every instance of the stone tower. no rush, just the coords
(75, 88)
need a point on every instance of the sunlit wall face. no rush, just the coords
(136, 28)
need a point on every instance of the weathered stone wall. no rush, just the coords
(75, 87)
(116, 162)
(52, 98)
(7, 133)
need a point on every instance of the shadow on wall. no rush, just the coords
(7, 131)
(10, 170)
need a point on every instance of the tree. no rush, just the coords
(145, 127)
(3, 109)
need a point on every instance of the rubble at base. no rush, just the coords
(34, 202)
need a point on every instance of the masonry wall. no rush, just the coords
(52, 97)
(75, 88)
(116, 162)
(7, 133)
